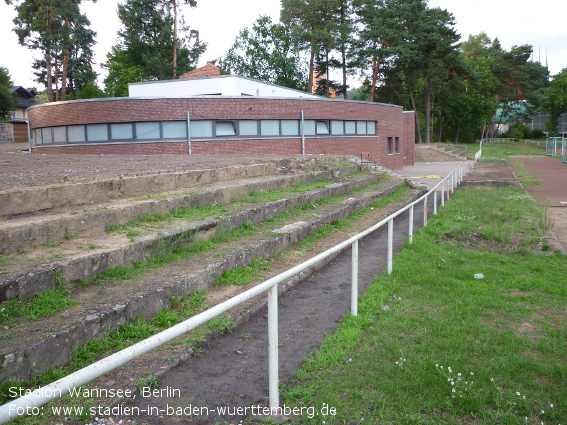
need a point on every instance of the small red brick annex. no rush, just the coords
(290, 123)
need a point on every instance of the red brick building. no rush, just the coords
(226, 125)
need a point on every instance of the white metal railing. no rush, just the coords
(31, 403)
(499, 140)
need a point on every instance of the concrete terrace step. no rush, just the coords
(82, 265)
(19, 232)
(33, 347)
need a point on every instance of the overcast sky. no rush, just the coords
(517, 22)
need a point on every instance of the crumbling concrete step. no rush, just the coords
(26, 232)
(29, 350)
(83, 265)
(30, 200)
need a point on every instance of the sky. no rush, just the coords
(517, 22)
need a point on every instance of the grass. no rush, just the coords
(45, 304)
(492, 152)
(434, 345)
(241, 276)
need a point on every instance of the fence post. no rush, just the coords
(410, 231)
(434, 201)
(354, 288)
(442, 194)
(448, 190)
(390, 244)
(425, 212)
(273, 377)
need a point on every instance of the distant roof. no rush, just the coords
(27, 97)
(209, 70)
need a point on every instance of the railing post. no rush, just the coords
(410, 231)
(390, 244)
(273, 377)
(443, 194)
(425, 212)
(354, 288)
(448, 190)
(435, 202)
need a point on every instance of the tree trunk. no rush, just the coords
(439, 127)
(56, 77)
(427, 112)
(174, 39)
(417, 129)
(343, 58)
(311, 66)
(49, 77)
(65, 67)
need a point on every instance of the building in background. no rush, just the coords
(224, 114)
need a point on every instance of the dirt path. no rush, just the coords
(233, 370)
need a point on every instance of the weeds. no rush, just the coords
(243, 275)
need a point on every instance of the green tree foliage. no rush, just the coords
(89, 91)
(555, 101)
(145, 46)
(311, 22)
(54, 27)
(7, 101)
(267, 52)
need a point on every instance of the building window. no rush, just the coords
(37, 136)
(322, 127)
(397, 144)
(337, 127)
(174, 129)
(290, 128)
(248, 128)
(147, 130)
(46, 136)
(76, 134)
(59, 135)
(361, 127)
(97, 133)
(390, 147)
(225, 128)
(309, 127)
(121, 131)
(371, 127)
(350, 127)
(201, 129)
(270, 127)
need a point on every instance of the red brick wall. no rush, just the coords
(126, 148)
(409, 133)
(391, 121)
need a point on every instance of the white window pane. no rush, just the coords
(37, 136)
(174, 129)
(201, 129)
(147, 130)
(337, 127)
(270, 127)
(97, 133)
(350, 127)
(309, 127)
(76, 133)
(225, 128)
(59, 135)
(121, 131)
(290, 128)
(46, 136)
(361, 127)
(371, 127)
(248, 127)
(322, 127)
